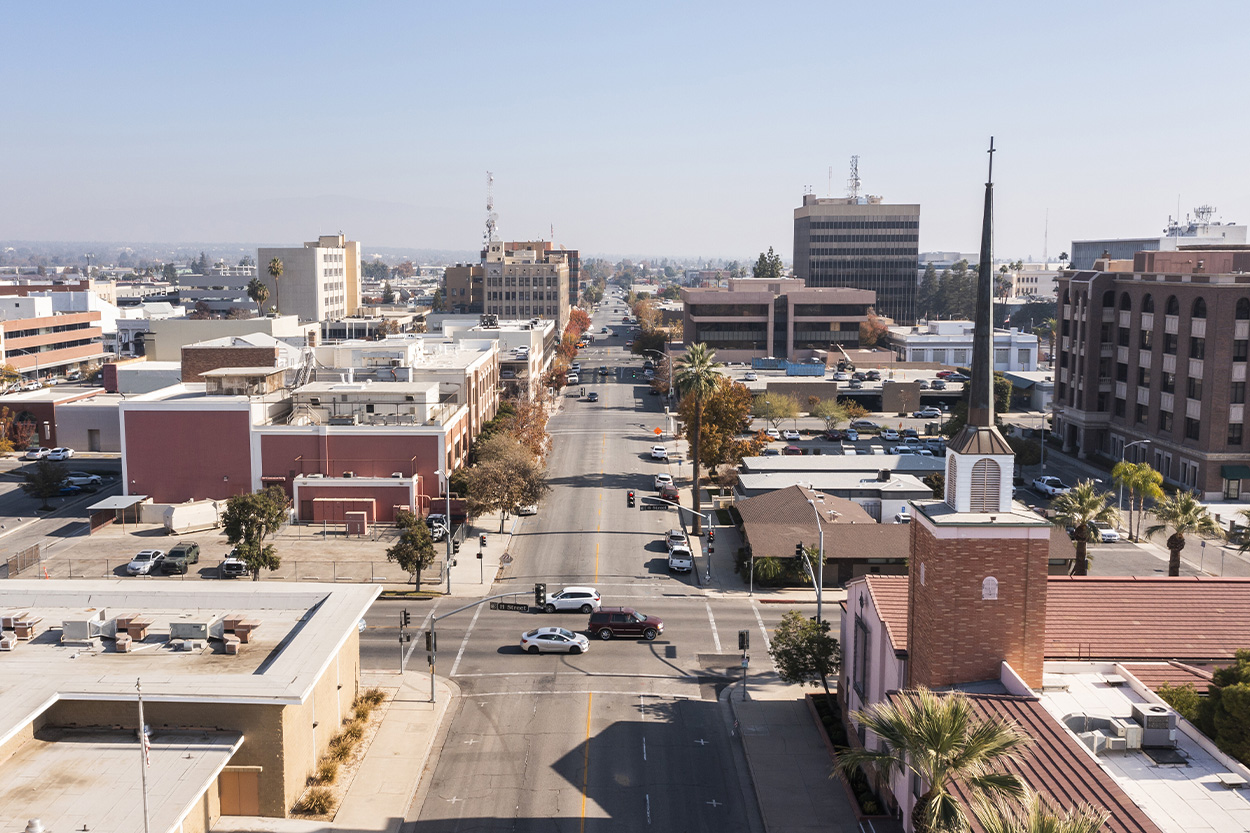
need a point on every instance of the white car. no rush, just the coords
(547, 640)
(37, 453)
(143, 562)
(791, 435)
(889, 434)
(659, 452)
(841, 376)
(851, 434)
(1050, 486)
(675, 538)
(773, 433)
(82, 478)
(581, 599)
(680, 560)
(903, 516)
(750, 377)
(927, 413)
(662, 480)
(1106, 532)
(60, 454)
(527, 509)
(573, 379)
(575, 367)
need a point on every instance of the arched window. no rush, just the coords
(1148, 303)
(986, 486)
(1126, 303)
(1200, 308)
(1067, 296)
(1174, 306)
(1108, 299)
(1243, 309)
(989, 589)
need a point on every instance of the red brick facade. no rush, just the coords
(956, 635)
(197, 360)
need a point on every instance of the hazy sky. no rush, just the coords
(685, 129)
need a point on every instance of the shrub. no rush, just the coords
(353, 732)
(339, 751)
(363, 710)
(317, 801)
(375, 696)
(327, 771)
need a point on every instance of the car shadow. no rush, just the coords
(510, 649)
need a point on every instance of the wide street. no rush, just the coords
(629, 735)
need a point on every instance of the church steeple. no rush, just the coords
(980, 464)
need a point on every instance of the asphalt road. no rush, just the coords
(629, 735)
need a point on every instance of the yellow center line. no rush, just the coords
(586, 760)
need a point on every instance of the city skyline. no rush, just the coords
(694, 134)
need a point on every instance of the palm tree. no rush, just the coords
(939, 739)
(1078, 508)
(1036, 813)
(1186, 516)
(275, 272)
(259, 293)
(1143, 483)
(696, 376)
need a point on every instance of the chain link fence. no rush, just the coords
(24, 560)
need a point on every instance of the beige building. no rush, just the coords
(243, 688)
(319, 281)
(527, 280)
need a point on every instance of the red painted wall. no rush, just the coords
(175, 456)
(376, 455)
(328, 503)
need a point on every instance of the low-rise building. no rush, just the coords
(949, 343)
(38, 342)
(526, 349)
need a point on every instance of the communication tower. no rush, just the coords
(492, 219)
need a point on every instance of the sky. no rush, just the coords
(632, 129)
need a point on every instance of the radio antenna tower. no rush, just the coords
(829, 193)
(492, 219)
(852, 183)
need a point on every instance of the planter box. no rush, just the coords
(810, 699)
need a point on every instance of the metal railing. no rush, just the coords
(24, 560)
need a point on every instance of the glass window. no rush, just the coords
(1197, 348)
(1168, 382)
(1240, 350)
(1169, 344)
(1148, 304)
(1146, 339)
(1243, 309)
(1143, 377)
(1165, 420)
(1174, 306)
(1237, 393)
(1191, 429)
(1121, 372)
(1234, 433)
(859, 679)
(1194, 388)
(1142, 412)
(1120, 408)
(1200, 308)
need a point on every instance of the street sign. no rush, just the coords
(505, 558)
(645, 506)
(746, 661)
(522, 608)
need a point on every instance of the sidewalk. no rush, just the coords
(388, 778)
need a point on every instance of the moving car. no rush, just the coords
(582, 599)
(60, 454)
(144, 561)
(1050, 486)
(680, 560)
(549, 640)
(929, 412)
(670, 493)
(231, 567)
(604, 330)
(750, 377)
(572, 379)
(864, 425)
(663, 479)
(609, 622)
(675, 538)
(82, 478)
(855, 384)
(592, 397)
(937, 384)
(659, 452)
(791, 435)
(36, 453)
(527, 509)
(179, 559)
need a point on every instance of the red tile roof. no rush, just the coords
(1056, 766)
(1155, 674)
(1189, 619)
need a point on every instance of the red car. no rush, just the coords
(942, 374)
(669, 492)
(792, 450)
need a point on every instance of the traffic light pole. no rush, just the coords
(431, 636)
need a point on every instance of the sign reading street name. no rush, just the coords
(509, 606)
(645, 506)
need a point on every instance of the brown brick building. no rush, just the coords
(1159, 354)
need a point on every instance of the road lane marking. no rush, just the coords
(590, 699)
(712, 621)
(648, 808)
(644, 749)
(760, 619)
(464, 642)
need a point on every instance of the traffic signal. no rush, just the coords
(744, 640)
(431, 641)
(630, 497)
(455, 546)
(540, 594)
(481, 540)
(407, 619)
(798, 550)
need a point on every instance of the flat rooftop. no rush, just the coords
(904, 484)
(1185, 796)
(301, 629)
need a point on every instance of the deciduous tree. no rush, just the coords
(804, 651)
(44, 480)
(773, 408)
(579, 321)
(506, 476)
(249, 519)
(414, 551)
(829, 410)
(726, 409)
(872, 330)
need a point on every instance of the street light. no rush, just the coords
(820, 568)
(447, 493)
(1123, 452)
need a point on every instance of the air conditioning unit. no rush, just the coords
(349, 474)
(1128, 730)
(1116, 745)
(1158, 725)
(1095, 742)
(189, 630)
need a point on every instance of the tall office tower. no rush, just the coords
(863, 243)
(526, 280)
(320, 281)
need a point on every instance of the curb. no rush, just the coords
(728, 693)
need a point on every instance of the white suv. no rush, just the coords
(675, 538)
(581, 599)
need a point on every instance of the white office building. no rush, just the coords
(320, 280)
(949, 343)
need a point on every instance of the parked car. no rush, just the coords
(554, 640)
(873, 376)
(180, 558)
(924, 384)
(888, 434)
(680, 560)
(609, 622)
(36, 453)
(855, 384)
(575, 367)
(864, 425)
(909, 434)
(675, 538)
(859, 376)
(791, 435)
(942, 374)
(232, 567)
(69, 489)
(144, 561)
(937, 384)
(841, 376)
(751, 376)
(1105, 532)
(1050, 486)
(957, 377)
(663, 479)
(437, 522)
(936, 445)
(527, 509)
(903, 516)
(792, 451)
(60, 454)
(771, 452)
(902, 449)
(929, 412)
(851, 435)
(82, 478)
(773, 433)
(582, 599)
(834, 435)
(659, 452)
(604, 330)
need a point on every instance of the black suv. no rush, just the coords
(179, 559)
(607, 622)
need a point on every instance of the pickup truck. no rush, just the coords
(680, 560)
(178, 560)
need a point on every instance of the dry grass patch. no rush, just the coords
(337, 768)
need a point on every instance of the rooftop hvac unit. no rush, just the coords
(188, 630)
(1128, 730)
(343, 420)
(1116, 745)
(1158, 724)
(883, 476)
(1096, 742)
(349, 474)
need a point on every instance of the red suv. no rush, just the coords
(669, 492)
(607, 622)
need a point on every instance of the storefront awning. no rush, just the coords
(1235, 472)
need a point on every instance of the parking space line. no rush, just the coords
(712, 621)
(464, 642)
